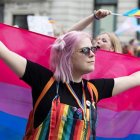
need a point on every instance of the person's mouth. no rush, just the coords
(98, 47)
(91, 62)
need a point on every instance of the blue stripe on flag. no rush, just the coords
(131, 12)
(11, 127)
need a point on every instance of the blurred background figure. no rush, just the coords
(109, 42)
(138, 51)
(125, 48)
(133, 45)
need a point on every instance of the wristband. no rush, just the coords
(96, 16)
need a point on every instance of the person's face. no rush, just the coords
(83, 57)
(103, 42)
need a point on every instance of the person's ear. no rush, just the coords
(112, 49)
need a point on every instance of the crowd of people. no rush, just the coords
(131, 48)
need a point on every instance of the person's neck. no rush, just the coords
(77, 78)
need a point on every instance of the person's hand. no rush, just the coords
(101, 13)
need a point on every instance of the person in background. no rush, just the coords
(125, 48)
(132, 47)
(106, 41)
(138, 51)
(64, 103)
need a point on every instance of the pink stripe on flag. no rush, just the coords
(28, 44)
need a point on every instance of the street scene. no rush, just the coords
(70, 70)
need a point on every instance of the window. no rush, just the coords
(20, 21)
(107, 24)
(138, 20)
(1, 12)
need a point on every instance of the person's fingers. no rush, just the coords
(101, 13)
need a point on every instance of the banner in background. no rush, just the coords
(40, 24)
(129, 25)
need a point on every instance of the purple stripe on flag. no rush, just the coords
(113, 124)
(15, 100)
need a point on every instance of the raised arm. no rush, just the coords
(124, 83)
(16, 62)
(82, 24)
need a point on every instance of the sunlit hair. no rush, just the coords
(116, 44)
(61, 52)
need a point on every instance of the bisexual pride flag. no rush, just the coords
(15, 95)
(118, 117)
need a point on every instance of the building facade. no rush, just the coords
(68, 12)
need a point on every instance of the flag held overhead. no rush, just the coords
(132, 13)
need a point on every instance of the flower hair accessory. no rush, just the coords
(59, 43)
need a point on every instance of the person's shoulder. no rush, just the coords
(102, 82)
(37, 65)
(35, 69)
(104, 87)
(96, 81)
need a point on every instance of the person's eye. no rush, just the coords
(85, 50)
(104, 40)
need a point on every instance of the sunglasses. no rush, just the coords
(86, 50)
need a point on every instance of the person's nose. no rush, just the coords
(91, 54)
(98, 42)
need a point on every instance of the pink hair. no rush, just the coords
(61, 51)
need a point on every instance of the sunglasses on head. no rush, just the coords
(86, 50)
